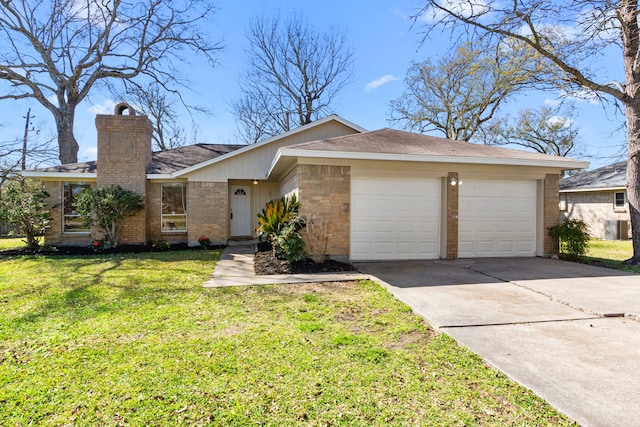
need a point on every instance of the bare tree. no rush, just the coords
(547, 130)
(463, 90)
(56, 51)
(294, 74)
(160, 105)
(572, 35)
(33, 150)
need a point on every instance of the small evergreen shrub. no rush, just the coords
(289, 244)
(161, 245)
(572, 237)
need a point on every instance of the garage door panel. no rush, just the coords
(497, 218)
(402, 218)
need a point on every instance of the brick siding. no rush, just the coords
(208, 211)
(550, 210)
(124, 152)
(452, 198)
(594, 208)
(325, 191)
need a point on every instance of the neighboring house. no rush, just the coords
(599, 198)
(386, 194)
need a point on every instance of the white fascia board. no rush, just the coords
(250, 147)
(566, 164)
(152, 176)
(590, 189)
(274, 162)
(60, 175)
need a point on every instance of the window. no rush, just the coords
(174, 207)
(619, 200)
(70, 219)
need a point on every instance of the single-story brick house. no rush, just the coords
(387, 194)
(599, 198)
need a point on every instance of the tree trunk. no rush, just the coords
(627, 12)
(632, 111)
(67, 144)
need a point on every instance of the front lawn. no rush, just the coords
(611, 253)
(135, 340)
(11, 243)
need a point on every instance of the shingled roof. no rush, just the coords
(397, 142)
(162, 162)
(610, 176)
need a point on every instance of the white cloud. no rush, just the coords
(551, 102)
(565, 122)
(106, 107)
(91, 152)
(379, 82)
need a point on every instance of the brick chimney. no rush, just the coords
(124, 152)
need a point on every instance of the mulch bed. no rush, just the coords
(266, 264)
(86, 250)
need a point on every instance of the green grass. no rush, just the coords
(136, 340)
(611, 253)
(11, 243)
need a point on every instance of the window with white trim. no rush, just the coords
(619, 200)
(174, 207)
(71, 221)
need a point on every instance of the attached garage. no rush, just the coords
(395, 218)
(497, 218)
(394, 195)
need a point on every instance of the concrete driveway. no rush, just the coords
(569, 332)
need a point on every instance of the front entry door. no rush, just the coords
(240, 213)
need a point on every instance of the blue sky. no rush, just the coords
(384, 44)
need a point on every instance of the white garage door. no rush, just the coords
(497, 218)
(395, 218)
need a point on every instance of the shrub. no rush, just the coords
(97, 245)
(276, 215)
(317, 231)
(107, 208)
(161, 245)
(23, 206)
(572, 237)
(205, 242)
(289, 244)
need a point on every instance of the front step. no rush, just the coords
(242, 241)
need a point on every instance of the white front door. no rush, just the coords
(240, 213)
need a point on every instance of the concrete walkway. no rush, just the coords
(236, 268)
(564, 330)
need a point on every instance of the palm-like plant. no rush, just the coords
(276, 215)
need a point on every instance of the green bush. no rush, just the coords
(107, 208)
(289, 244)
(276, 215)
(572, 237)
(23, 206)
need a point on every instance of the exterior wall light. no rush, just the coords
(456, 181)
(254, 182)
